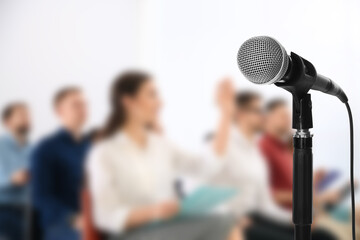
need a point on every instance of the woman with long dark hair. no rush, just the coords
(133, 169)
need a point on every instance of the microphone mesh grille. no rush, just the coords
(262, 60)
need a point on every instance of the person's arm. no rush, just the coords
(9, 179)
(112, 212)
(226, 101)
(43, 174)
(5, 176)
(269, 208)
(210, 161)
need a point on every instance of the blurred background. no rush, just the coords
(188, 46)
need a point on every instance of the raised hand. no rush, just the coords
(225, 97)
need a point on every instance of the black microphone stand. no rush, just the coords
(298, 83)
(302, 169)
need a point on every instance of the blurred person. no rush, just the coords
(94, 135)
(57, 169)
(236, 144)
(132, 172)
(276, 146)
(14, 176)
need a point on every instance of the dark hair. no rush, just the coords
(61, 94)
(94, 135)
(10, 108)
(244, 98)
(126, 84)
(274, 104)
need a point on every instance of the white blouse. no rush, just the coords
(123, 176)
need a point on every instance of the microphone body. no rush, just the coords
(311, 78)
(326, 85)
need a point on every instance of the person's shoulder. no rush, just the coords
(3, 143)
(99, 146)
(45, 144)
(104, 145)
(99, 153)
(3, 140)
(115, 141)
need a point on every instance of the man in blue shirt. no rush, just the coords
(14, 149)
(57, 169)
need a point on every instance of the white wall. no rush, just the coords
(45, 45)
(196, 43)
(188, 44)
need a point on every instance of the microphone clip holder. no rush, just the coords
(298, 81)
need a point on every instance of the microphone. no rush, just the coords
(263, 60)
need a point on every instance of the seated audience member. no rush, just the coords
(236, 144)
(57, 169)
(276, 146)
(14, 150)
(131, 173)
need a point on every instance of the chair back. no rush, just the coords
(89, 231)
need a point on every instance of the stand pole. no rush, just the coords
(303, 168)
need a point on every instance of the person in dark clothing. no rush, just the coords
(57, 169)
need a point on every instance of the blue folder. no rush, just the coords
(205, 199)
